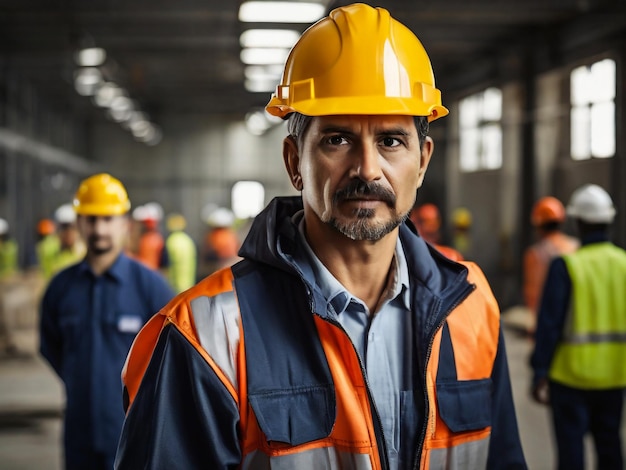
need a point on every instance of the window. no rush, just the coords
(248, 199)
(592, 117)
(481, 131)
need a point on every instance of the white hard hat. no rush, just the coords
(65, 214)
(153, 210)
(591, 204)
(207, 210)
(221, 217)
(4, 226)
(139, 213)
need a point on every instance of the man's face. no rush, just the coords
(68, 235)
(358, 174)
(103, 234)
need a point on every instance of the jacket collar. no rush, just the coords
(273, 237)
(118, 270)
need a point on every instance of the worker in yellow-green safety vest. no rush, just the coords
(182, 253)
(8, 252)
(580, 342)
(47, 246)
(71, 247)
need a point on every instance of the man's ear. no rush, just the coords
(291, 157)
(427, 151)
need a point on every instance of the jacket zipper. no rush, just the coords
(378, 425)
(462, 296)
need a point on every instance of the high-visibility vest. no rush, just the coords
(330, 422)
(183, 258)
(593, 347)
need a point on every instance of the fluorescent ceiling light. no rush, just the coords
(107, 93)
(86, 80)
(263, 72)
(280, 12)
(263, 56)
(121, 103)
(90, 57)
(269, 38)
(260, 86)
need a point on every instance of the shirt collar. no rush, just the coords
(118, 270)
(335, 293)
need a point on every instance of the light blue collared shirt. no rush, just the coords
(383, 340)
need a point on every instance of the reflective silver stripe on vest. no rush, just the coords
(462, 457)
(217, 324)
(583, 338)
(328, 458)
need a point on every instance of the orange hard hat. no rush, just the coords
(547, 209)
(45, 227)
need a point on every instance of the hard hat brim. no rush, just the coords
(388, 106)
(102, 209)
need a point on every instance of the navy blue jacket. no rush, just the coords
(87, 325)
(184, 412)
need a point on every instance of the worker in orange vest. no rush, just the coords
(221, 242)
(151, 248)
(427, 220)
(547, 217)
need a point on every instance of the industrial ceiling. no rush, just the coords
(183, 56)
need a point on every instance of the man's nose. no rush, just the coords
(366, 163)
(99, 225)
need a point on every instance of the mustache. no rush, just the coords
(95, 238)
(357, 189)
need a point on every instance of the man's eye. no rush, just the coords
(390, 142)
(336, 140)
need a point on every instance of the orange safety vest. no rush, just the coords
(150, 250)
(457, 436)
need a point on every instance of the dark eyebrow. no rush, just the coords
(395, 131)
(333, 129)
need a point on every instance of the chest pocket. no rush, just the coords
(295, 416)
(464, 405)
(290, 387)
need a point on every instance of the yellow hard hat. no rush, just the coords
(101, 194)
(358, 60)
(176, 222)
(462, 217)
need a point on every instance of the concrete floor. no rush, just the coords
(31, 399)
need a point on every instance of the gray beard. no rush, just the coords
(363, 230)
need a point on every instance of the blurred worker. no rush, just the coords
(151, 248)
(580, 345)
(339, 341)
(8, 252)
(47, 246)
(427, 220)
(71, 247)
(90, 314)
(547, 217)
(182, 254)
(221, 242)
(8, 272)
(461, 231)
